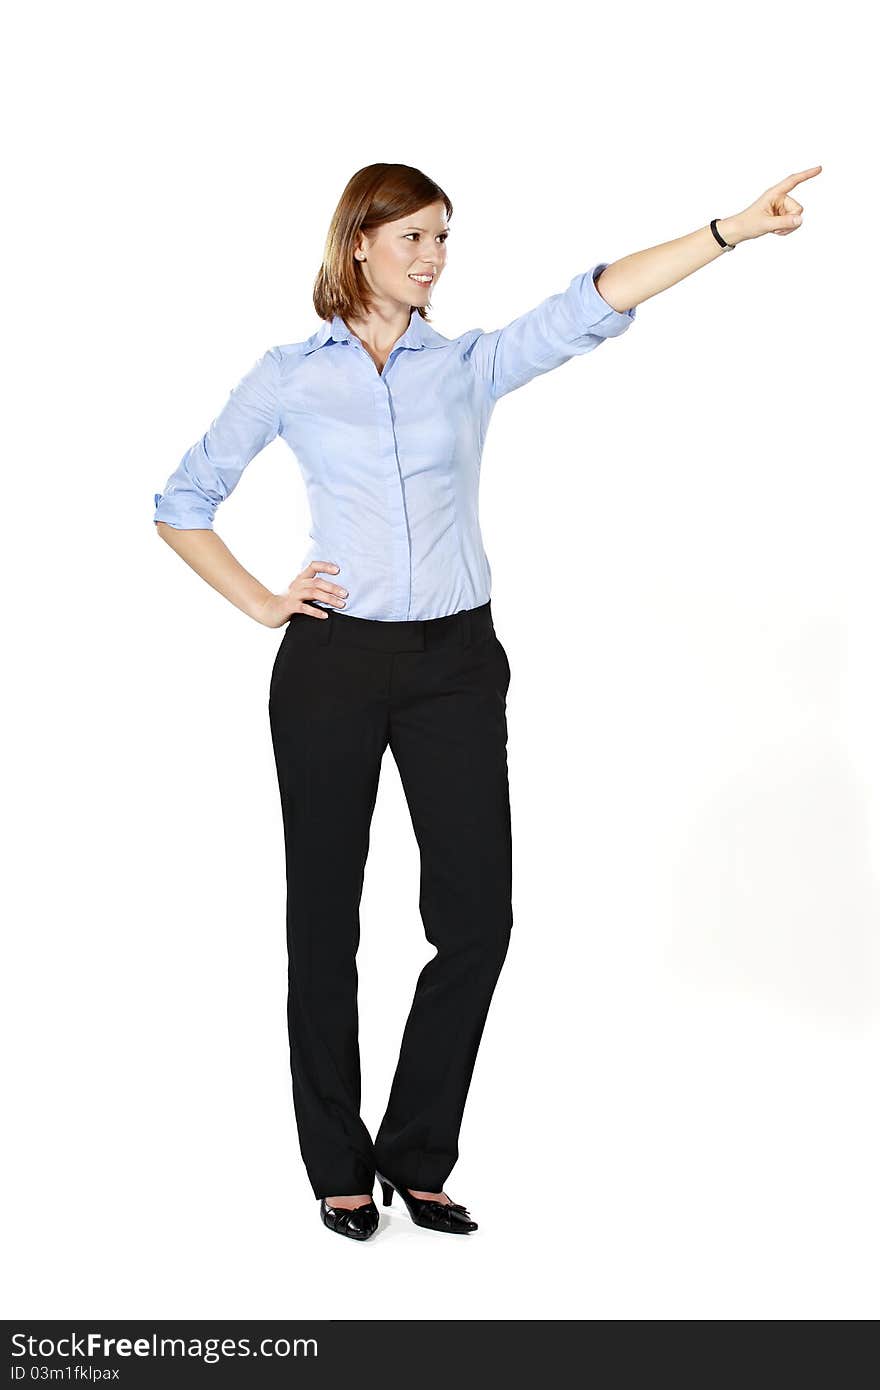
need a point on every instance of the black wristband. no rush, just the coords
(719, 238)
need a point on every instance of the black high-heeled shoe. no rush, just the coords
(434, 1216)
(359, 1223)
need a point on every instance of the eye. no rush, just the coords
(441, 235)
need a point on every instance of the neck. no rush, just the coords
(381, 329)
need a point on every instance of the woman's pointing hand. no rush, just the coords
(775, 211)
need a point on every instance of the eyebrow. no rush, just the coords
(425, 229)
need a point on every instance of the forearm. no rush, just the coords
(214, 562)
(631, 280)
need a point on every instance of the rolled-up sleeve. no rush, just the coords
(210, 469)
(572, 322)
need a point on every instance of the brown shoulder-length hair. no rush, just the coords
(376, 194)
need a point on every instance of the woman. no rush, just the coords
(390, 641)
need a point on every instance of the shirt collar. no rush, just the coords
(418, 335)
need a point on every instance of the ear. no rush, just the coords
(361, 246)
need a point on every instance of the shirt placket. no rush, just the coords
(392, 476)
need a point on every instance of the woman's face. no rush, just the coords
(398, 251)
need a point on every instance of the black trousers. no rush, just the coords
(342, 690)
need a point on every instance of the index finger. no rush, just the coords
(794, 179)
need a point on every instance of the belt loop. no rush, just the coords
(466, 627)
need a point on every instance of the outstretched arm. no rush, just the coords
(631, 280)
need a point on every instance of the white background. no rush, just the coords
(674, 1110)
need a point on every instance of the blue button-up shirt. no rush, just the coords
(391, 460)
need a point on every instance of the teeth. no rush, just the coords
(422, 279)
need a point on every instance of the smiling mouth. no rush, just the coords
(422, 279)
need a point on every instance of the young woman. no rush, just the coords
(390, 641)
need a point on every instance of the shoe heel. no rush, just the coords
(387, 1192)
